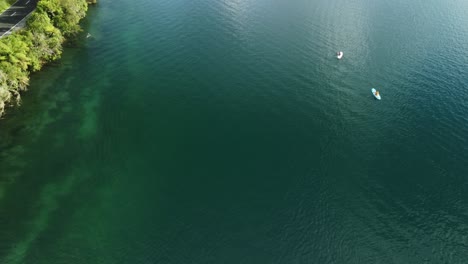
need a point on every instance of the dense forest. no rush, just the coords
(27, 50)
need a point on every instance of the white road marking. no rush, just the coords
(10, 30)
(4, 13)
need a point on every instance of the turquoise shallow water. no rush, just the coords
(227, 132)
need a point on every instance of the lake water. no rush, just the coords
(226, 131)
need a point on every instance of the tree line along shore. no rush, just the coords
(39, 42)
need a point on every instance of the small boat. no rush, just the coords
(376, 94)
(88, 35)
(339, 55)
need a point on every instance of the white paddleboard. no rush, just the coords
(374, 92)
(339, 55)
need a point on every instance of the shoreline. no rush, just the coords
(28, 49)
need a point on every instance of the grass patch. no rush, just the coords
(5, 4)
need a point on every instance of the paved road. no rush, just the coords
(15, 14)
